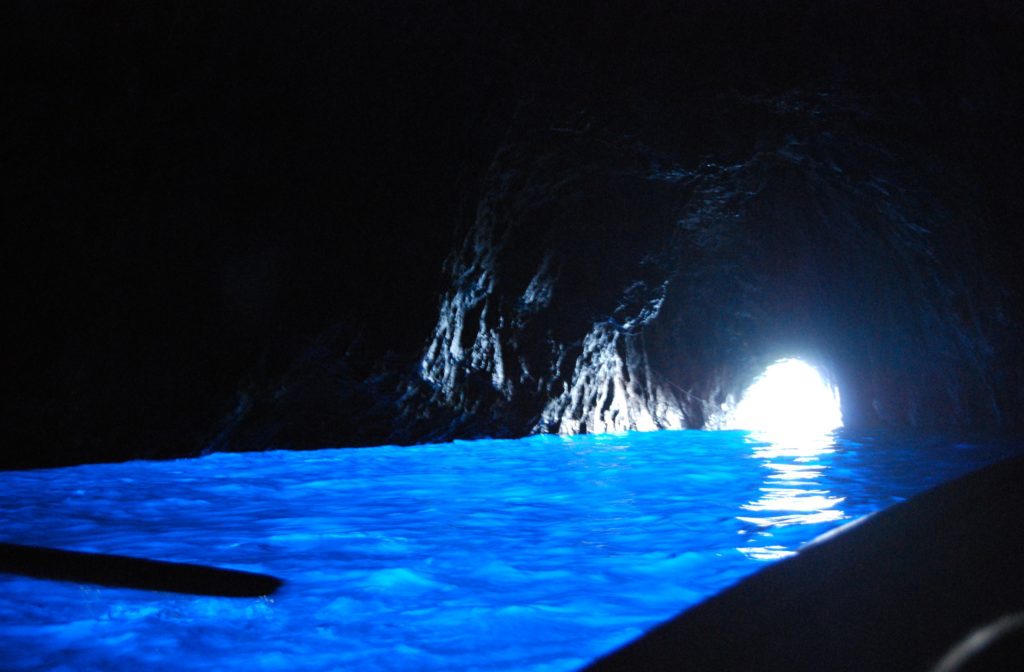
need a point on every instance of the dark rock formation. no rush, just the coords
(636, 269)
(650, 234)
(647, 204)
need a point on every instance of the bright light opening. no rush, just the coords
(789, 399)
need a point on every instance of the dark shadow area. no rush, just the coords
(119, 571)
(235, 228)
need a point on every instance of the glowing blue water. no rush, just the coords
(535, 554)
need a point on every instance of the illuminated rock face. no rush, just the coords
(541, 326)
(625, 273)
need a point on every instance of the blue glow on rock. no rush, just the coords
(789, 401)
(533, 554)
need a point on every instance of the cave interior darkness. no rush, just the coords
(370, 223)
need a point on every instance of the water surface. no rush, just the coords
(533, 554)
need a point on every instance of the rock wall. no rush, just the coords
(644, 203)
(636, 271)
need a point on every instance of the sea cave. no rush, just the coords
(413, 335)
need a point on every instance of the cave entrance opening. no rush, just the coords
(791, 398)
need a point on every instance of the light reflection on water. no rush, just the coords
(531, 554)
(792, 492)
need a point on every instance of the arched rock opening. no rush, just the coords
(621, 276)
